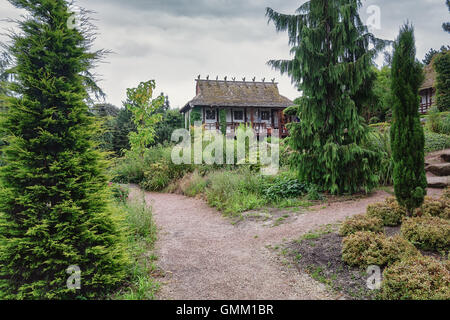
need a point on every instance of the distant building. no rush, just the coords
(428, 91)
(256, 104)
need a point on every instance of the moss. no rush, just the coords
(361, 222)
(390, 212)
(428, 233)
(366, 248)
(434, 208)
(446, 195)
(416, 278)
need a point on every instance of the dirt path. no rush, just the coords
(206, 257)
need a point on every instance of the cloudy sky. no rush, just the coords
(173, 41)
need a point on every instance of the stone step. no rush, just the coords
(445, 156)
(438, 182)
(439, 169)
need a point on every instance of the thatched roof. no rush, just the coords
(430, 77)
(219, 93)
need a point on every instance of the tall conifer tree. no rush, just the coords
(332, 67)
(53, 195)
(407, 136)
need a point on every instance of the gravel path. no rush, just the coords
(205, 257)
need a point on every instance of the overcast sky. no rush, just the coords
(173, 41)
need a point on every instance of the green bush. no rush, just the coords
(389, 212)
(284, 187)
(438, 122)
(446, 195)
(141, 232)
(416, 278)
(128, 170)
(153, 172)
(235, 191)
(434, 208)
(139, 220)
(193, 184)
(379, 140)
(436, 141)
(366, 248)
(120, 193)
(428, 233)
(361, 222)
(156, 178)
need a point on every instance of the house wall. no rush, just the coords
(427, 99)
(199, 114)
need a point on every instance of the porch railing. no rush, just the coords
(424, 107)
(259, 127)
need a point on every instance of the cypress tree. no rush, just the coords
(53, 196)
(407, 136)
(331, 66)
(441, 64)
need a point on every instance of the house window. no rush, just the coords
(210, 114)
(265, 115)
(238, 115)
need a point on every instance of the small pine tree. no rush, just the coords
(53, 196)
(407, 136)
(429, 56)
(332, 66)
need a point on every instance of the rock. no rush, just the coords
(440, 169)
(438, 182)
(445, 157)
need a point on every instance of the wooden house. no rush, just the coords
(428, 91)
(228, 104)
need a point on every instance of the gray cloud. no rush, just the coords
(204, 8)
(172, 41)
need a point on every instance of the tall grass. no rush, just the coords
(141, 233)
(379, 139)
(234, 192)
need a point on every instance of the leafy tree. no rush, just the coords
(407, 136)
(382, 105)
(332, 63)
(446, 26)
(143, 107)
(122, 127)
(441, 64)
(106, 113)
(54, 199)
(171, 120)
(105, 110)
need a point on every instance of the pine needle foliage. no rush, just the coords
(407, 136)
(332, 66)
(441, 63)
(53, 193)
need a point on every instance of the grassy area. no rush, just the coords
(141, 232)
(239, 190)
